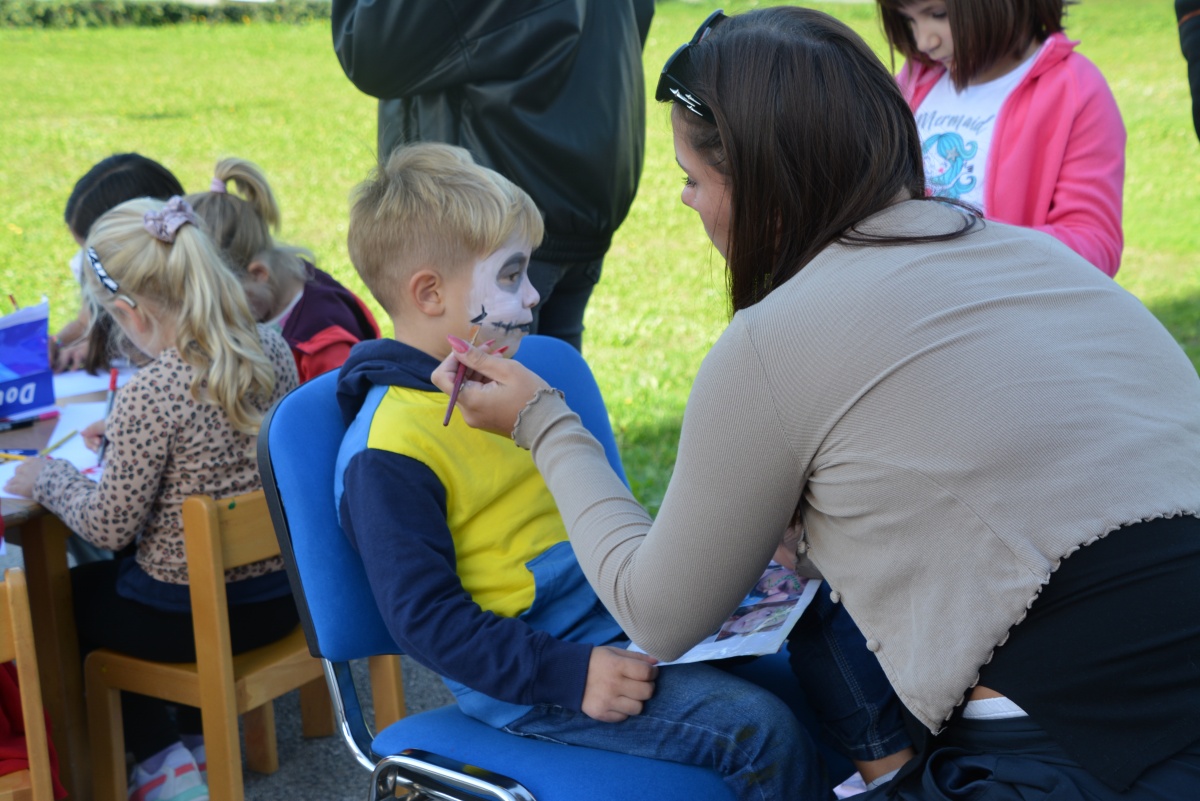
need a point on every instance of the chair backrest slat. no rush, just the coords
(241, 524)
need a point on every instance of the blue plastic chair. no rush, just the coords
(443, 750)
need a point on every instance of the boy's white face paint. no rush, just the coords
(501, 300)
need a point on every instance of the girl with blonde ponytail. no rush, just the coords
(184, 424)
(318, 317)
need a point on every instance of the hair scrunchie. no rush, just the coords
(163, 224)
(218, 186)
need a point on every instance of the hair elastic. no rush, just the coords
(218, 186)
(163, 224)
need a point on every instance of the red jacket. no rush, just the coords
(327, 321)
(1057, 161)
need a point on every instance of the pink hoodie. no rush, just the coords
(1057, 161)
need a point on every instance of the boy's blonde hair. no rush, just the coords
(431, 205)
(241, 226)
(188, 282)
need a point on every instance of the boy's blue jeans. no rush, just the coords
(701, 715)
(859, 712)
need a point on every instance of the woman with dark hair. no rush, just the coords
(994, 449)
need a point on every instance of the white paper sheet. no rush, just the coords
(72, 417)
(77, 382)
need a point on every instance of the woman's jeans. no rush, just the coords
(858, 711)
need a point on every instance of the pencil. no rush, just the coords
(13, 456)
(13, 425)
(458, 382)
(46, 451)
(112, 396)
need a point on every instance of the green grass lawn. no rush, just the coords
(276, 95)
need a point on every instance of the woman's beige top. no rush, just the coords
(952, 420)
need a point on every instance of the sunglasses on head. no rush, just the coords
(671, 85)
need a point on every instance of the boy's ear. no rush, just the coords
(427, 292)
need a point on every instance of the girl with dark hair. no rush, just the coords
(994, 449)
(1014, 121)
(84, 343)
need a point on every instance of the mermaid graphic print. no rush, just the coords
(949, 165)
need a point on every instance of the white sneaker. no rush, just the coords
(201, 761)
(851, 787)
(178, 779)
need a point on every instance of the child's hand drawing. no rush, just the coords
(93, 435)
(618, 682)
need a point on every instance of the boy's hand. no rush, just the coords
(618, 682)
(785, 553)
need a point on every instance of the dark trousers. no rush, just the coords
(106, 620)
(1015, 760)
(565, 289)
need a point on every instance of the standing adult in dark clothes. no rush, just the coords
(549, 94)
(1188, 14)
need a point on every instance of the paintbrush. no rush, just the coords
(459, 377)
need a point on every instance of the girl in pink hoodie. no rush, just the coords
(1012, 120)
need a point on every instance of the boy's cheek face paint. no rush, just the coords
(498, 303)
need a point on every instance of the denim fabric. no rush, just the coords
(858, 710)
(1015, 760)
(565, 290)
(701, 715)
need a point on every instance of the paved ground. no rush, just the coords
(321, 768)
(324, 768)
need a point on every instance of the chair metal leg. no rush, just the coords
(262, 748)
(316, 709)
(105, 730)
(435, 776)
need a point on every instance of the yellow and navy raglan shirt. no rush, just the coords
(463, 545)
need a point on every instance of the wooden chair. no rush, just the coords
(219, 535)
(16, 642)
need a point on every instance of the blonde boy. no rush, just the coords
(463, 545)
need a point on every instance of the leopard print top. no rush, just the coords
(162, 447)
